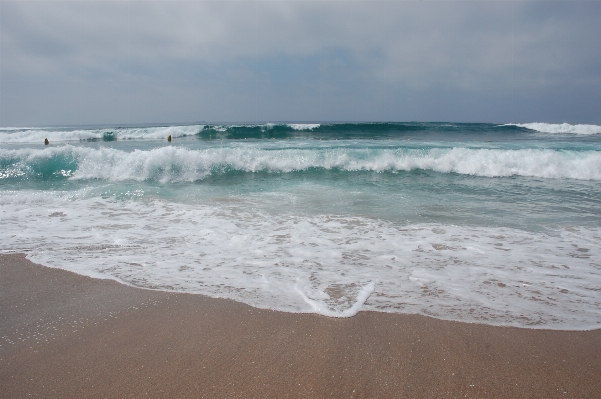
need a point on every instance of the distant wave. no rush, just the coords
(376, 130)
(341, 131)
(304, 126)
(37, 135)
(562, 128)
(173, 164)
(14, 135)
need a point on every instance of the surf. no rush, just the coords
(179, 164)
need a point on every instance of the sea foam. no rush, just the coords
(33, 135)
(330, 264)
(55, 135)
(330, 218)
(303, 126)
(179, 164)
(562, 128)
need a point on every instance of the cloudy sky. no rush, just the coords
(127, 62)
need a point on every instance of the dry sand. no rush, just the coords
(67, 336)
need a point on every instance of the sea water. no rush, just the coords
(488, 223)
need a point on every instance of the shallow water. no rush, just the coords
(497, 224)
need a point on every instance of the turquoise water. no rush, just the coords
(431, 218)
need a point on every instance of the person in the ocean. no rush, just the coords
(46, 142)
(169, 138)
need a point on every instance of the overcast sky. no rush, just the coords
(66, 63)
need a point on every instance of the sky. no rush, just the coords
(139, 62)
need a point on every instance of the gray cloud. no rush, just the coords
(128, 62)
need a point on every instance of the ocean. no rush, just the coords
(488, 223)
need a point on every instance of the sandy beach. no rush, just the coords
(67, 336)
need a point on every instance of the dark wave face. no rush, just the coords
(309, 131)
(350, 131)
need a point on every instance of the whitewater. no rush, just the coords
(489, 223)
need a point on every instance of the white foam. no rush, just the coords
(159, 132)
(322, 308)
(25, 135)
(561, 128)
(328, 264)
(303, 126)
(38, 136)
(173, 163)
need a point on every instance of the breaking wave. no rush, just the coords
(340, 131)
(178, 164)
(26, 135)
(562, 128)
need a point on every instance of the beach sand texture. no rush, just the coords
(67, 336)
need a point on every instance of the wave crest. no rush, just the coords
(173, 164)
(12, 135)
(560, 128)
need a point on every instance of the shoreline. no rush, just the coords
(165, 291)
(67, 335)
(173, 292)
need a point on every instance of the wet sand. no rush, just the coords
(67, 336)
